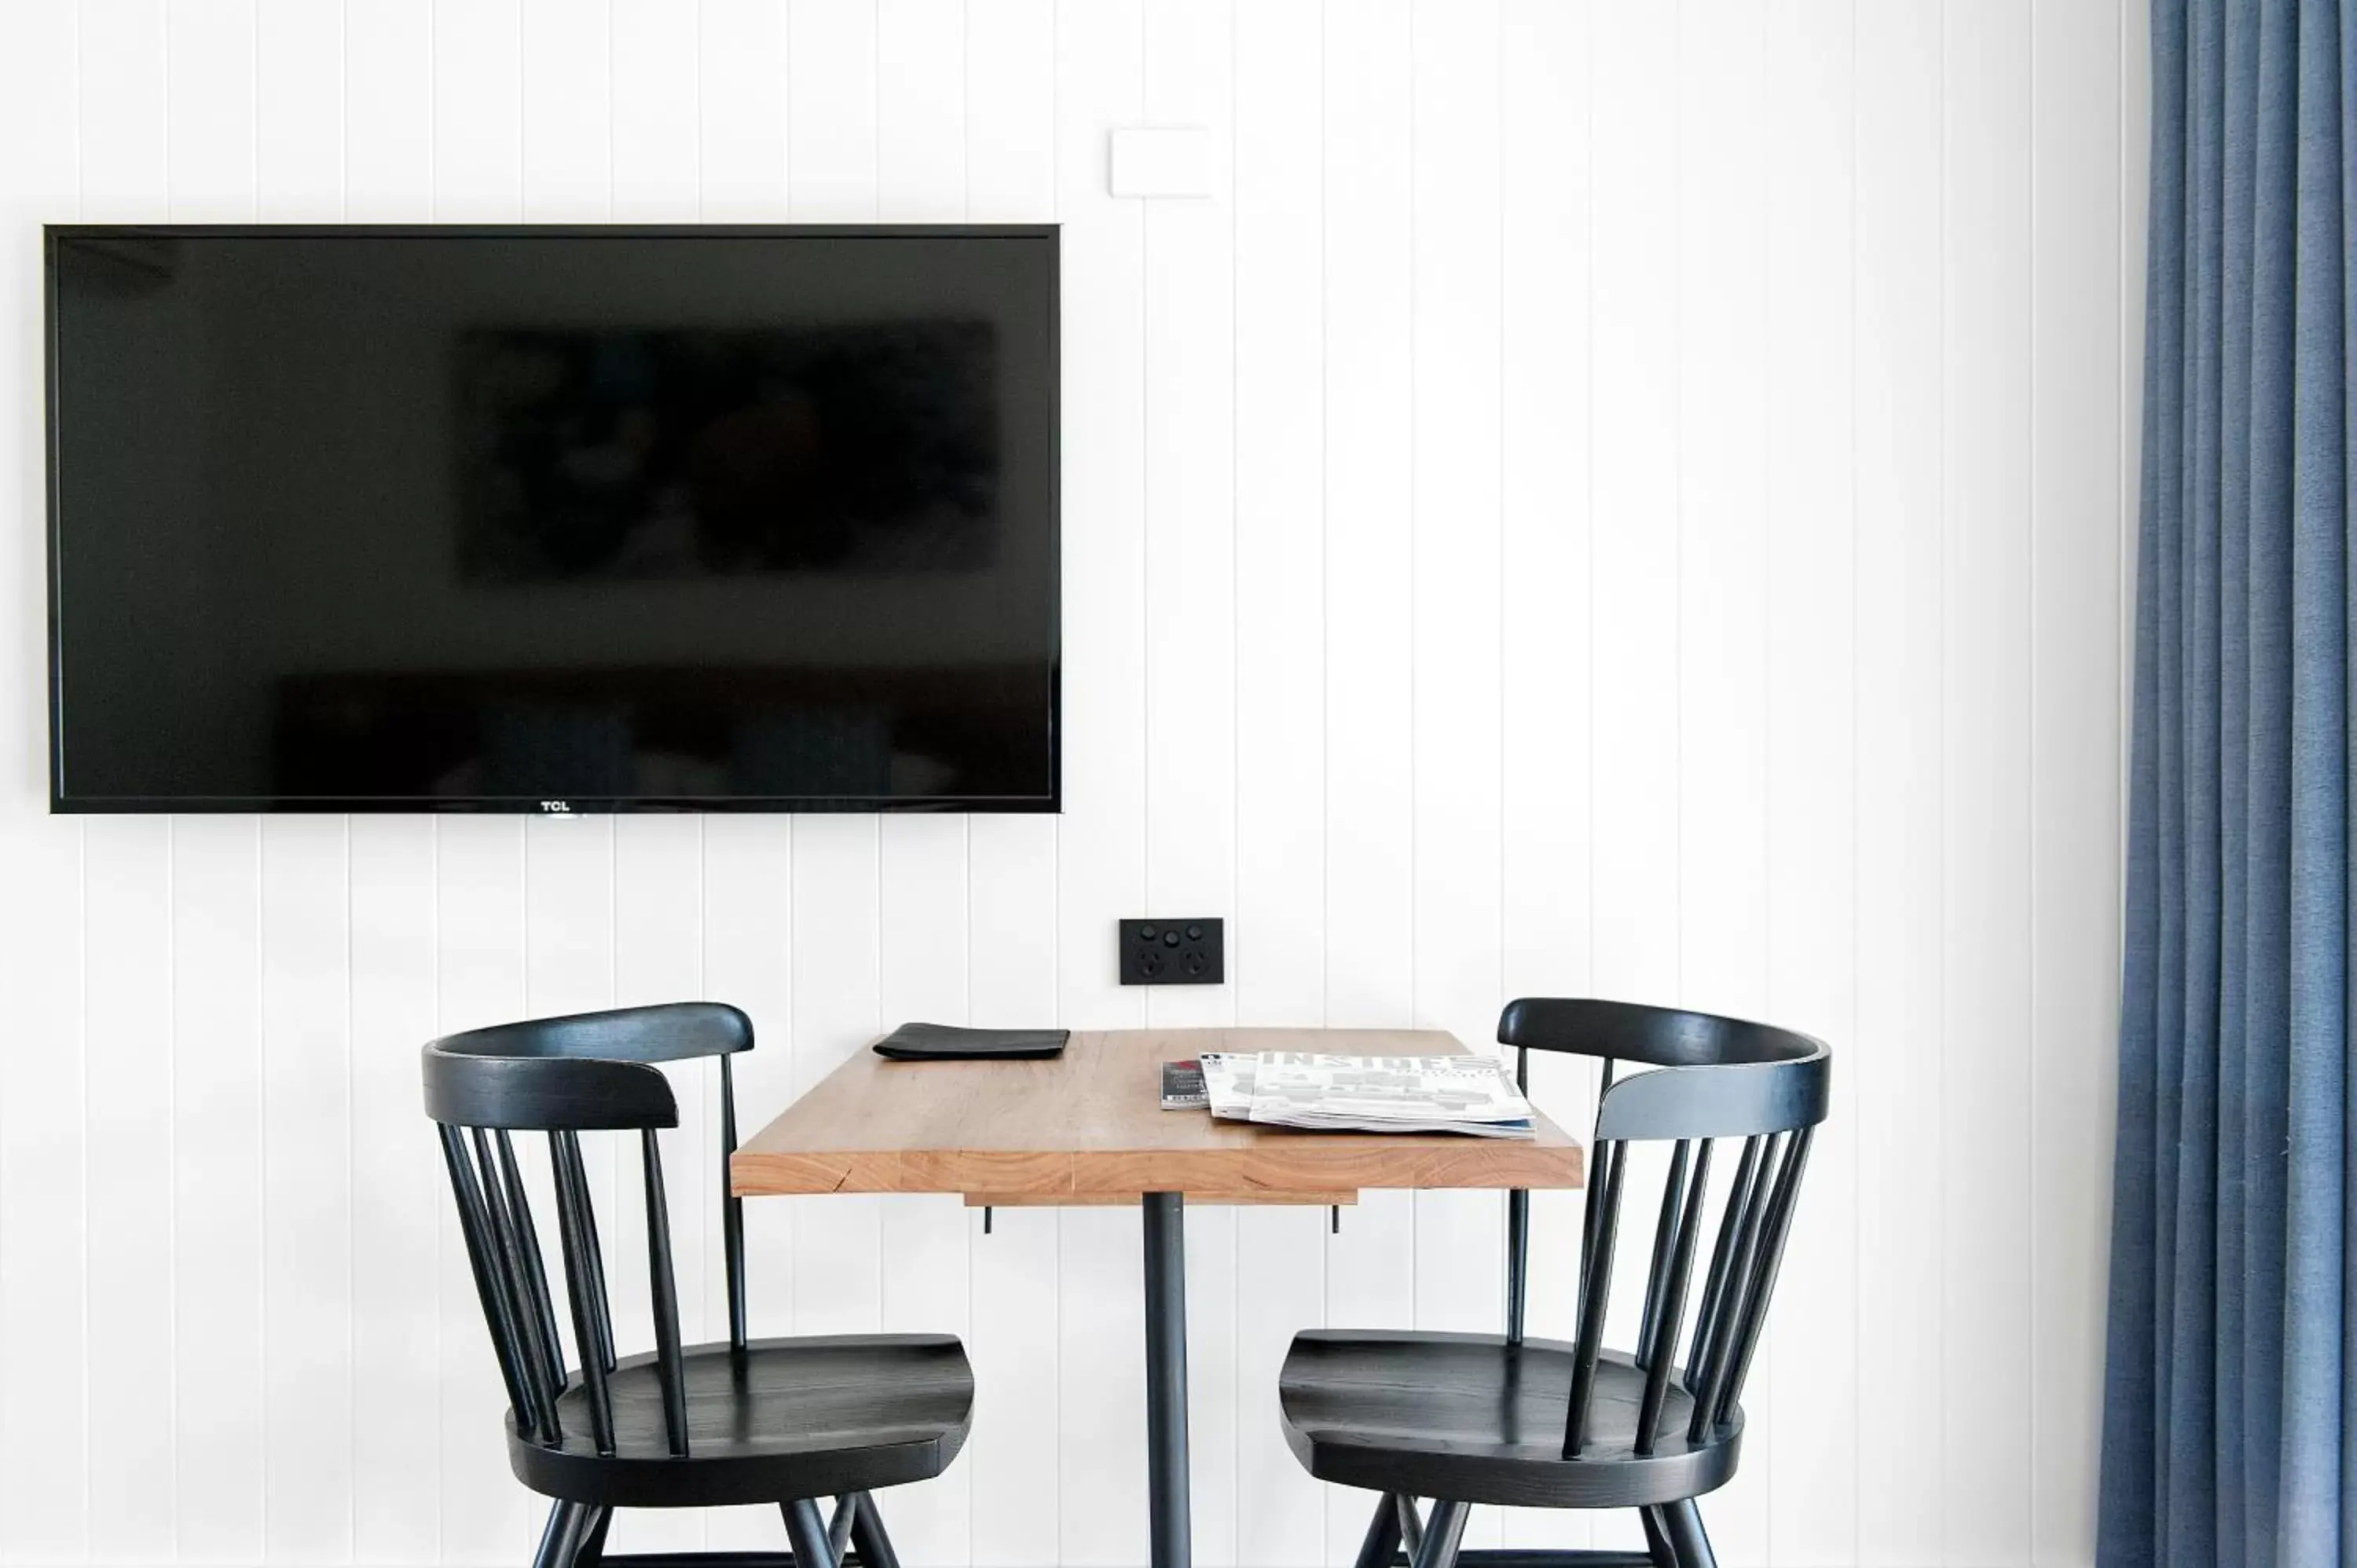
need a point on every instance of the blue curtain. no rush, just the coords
(2229, 1421)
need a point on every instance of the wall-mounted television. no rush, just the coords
(538, 519)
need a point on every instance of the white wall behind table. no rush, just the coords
(1517, 540)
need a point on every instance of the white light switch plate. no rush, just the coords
(1161, 160)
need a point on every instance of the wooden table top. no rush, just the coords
(1089, 1127)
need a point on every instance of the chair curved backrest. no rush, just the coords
(1722, 1076)
(1712, 1078)
(665, 1032)
(565, 1076)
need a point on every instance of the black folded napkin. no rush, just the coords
(944, 1041)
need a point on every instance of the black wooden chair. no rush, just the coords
(1480, 1418)
(751, 1420)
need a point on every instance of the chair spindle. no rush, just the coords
(1660, 1347)
(535, 1271)
(600, 1303)
(1518, 1229)
(1735, 1303)
(1596, 1291)
(1598, 1170)
(1664, 1236)
(1714, 1290)
(671, 1366)
(508, 1249)
(1771, 1261)
(582, 1284)
(1517, 1260)
(732, 1210)
(490, 1289)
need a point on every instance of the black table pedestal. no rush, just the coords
(1166, 1379)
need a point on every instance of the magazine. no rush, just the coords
(1467, 1093)
(1182, 1086)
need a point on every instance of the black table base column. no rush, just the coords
(1166, 1379)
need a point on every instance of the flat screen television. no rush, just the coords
(549, 520)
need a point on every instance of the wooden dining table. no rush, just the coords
(1087, 1128)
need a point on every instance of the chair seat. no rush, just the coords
(1471, 1417)
(786, 1419)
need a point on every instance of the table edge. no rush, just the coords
(1429, 1164)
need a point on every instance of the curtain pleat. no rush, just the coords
(2228, 1396)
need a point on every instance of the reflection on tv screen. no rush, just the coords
(670, 452)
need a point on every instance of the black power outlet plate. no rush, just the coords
(1174, 952)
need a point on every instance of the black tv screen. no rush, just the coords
(535, 519)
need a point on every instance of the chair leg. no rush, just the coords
(561, 1537)
(1657, 1544)
(1382, 1537)
(867, 1537)
(1411, 1524)
(806, 1528)
(592, 1550)
(1443, 1532)
(1689, 1546)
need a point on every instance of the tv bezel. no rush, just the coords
(61, 803)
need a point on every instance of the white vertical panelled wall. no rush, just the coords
(1602, 498)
